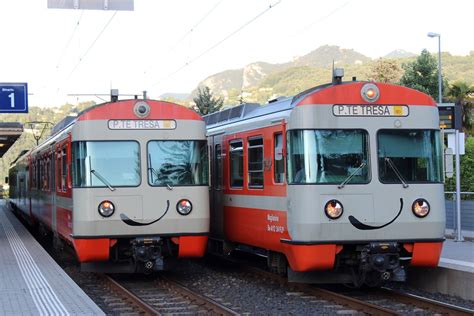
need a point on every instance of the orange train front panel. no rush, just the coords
(426, 254)
(191, 246)
(89, 250)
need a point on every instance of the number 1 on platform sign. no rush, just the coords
(12, 99)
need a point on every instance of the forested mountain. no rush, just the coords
(257, 82)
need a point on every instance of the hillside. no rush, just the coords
(257, 82)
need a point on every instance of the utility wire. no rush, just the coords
(191, 30)
(321, 19)
(92, 45)
(271, 6)
(70, 39)
(196, 25)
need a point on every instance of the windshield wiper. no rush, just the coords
(343, 183)
(154, 172)
(102, 179)
(397, 173)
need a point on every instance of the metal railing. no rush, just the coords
(466, 222)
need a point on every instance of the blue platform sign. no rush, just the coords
(13, 98)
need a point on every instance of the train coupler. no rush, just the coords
(147, 254)
(380, 262)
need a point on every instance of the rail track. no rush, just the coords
(377, 301)
(166, 296)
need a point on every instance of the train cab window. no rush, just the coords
(178, 163)
(106, 164)
(412, 156)
(332, 156)
(278, 161)
(218, 166)
(255, 162)
(236, 164)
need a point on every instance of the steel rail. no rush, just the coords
(426, 303)
(146, 308)
(344, 300)
(208, 303)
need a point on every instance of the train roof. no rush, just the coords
(63, 126)
(252, 110)
(330, 93)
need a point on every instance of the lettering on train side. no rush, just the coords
(274, 228)
(369, 110)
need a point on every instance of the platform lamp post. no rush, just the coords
(440, 79)
(459, 236)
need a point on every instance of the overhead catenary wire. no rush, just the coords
(195, 26)
(191, 30)
(91, 45)
(240, 28)
(69, 40)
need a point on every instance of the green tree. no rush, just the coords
(422, 75)
(467, 171)
(386, 71)
(460, 92)
(206, 103)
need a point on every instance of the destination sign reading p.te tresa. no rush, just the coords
(369, 110)
(142, 124)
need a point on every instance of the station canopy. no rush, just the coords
(9, 133)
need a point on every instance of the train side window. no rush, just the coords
(63, 169)
(278, 161)
(218, 166)
(236, 164)
(255, 162)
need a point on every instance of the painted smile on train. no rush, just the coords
(124, 183)
(344, 178)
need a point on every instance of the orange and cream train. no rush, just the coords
(125, 183)
(340, 183)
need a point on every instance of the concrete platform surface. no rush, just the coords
(31, 283)
(458, 255)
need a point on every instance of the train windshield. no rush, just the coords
(335, 156)
(175, 163)
(106, 164)
(414, 154)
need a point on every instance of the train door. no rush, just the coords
(52, 186)
(217, 188)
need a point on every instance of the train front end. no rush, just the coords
(365, 183)
(140, 186)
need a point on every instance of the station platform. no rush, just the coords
(454, 274)
(458, 255)
(31, 283)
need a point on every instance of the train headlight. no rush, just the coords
(420, 207)
(370, 92)
(184, 207)
(333, 209)
(106, 208)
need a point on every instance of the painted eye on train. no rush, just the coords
(106, 208)
(333, 209)
(420, 208)
(184, 207)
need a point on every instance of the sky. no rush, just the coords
(170, 46)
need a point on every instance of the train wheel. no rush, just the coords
(277, 263)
